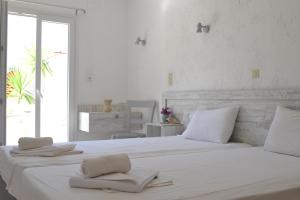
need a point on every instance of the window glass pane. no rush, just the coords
(20, 88)
(54, 81)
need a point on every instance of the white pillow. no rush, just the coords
(212, 125)
(284, 134)
(187, 116)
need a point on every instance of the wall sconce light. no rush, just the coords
(140, 41)
(202, 28)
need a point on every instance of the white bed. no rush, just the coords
(198, 170)
(247, 173)
(11, 167)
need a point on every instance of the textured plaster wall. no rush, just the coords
(102, 52)
(245, 35)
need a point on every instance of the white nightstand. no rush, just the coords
(164, 130)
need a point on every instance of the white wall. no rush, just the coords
(245, 34)
(102, 46)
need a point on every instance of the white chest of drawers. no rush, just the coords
(103, 123)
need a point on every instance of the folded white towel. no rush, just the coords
(47, 151)
(94, 167)
(26, 143)
(134, 181)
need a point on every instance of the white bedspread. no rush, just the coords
(244, 174)
(11, 167)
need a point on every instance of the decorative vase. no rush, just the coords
(107, 105)
(164, 118)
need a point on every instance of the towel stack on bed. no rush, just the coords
(114, 172)
(43, 147)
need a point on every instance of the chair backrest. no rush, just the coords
(145, 108)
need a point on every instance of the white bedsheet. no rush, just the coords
(11, 167)
(244, 174)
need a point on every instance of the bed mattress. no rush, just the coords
(243, 174)
(11, 167)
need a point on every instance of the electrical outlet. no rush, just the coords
(170, 79)
(255, 74)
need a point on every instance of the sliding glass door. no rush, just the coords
(37, 76)
(54, 80)
(20, 77)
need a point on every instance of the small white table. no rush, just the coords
(164, 130)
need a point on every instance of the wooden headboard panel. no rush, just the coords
(257, 108)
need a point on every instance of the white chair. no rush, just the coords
(140, 113)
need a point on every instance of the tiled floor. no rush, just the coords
(3, 193)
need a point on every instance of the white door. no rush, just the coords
(38, 75)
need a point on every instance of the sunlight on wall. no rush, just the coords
(165, 5)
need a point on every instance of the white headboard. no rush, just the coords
(257, 108)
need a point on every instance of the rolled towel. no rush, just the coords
(94, 167)
(26, 143)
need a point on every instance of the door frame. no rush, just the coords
(3, 45)
(52, 17)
